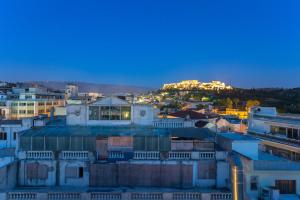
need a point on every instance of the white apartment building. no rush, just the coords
(280, 133)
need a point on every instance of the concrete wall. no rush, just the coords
(222, 174)
(65, 181)
(176, 175)
(76, 114)
(8, 176)
(259, 126)
(24, 180)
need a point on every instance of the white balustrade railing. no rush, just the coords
(187, 196)
(221, 196)
(21, 196)
(39, 155)
(147, 196)
(180, 155)
(207, 155)
(116, 155)
(75, 155)
(165, 124)
(105, 196)
(147, 155)
(64, 195)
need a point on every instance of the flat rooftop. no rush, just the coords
(280, 119)
(237, 136)
(92, 131)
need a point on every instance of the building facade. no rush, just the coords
(280, 134)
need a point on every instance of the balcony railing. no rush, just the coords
(180, 155)
(105, 196)
(207, 155)
(21, 195)
(116, 155)
(64, 195)
(221, 196)
(147, 155)
(74, 155)
(147, 196)
(187, 195)
(118, 196)
(47, 155)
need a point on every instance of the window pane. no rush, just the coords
(115, 112)
(94, 113)
(104, 112)
(126, 112)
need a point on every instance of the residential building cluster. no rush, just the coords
(195, 84)
(118, 148)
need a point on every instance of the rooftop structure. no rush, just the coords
(111, 111)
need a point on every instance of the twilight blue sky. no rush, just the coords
(247, 43)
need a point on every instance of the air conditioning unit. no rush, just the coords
(269, 193)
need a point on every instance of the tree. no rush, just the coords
(229, 103)
(236, 102)
(251, 103)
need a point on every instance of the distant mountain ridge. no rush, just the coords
(106, 89)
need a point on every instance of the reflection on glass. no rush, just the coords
(126, 112)
(104, 112)
(115, 112)
(94, 113)
(109, 112)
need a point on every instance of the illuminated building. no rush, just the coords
(29, 102)
(195, 84)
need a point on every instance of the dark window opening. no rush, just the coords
(80, 172)
(286, 186)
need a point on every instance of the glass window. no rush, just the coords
(254, 183)
(15, 135)
(115, 112)
(30, 104)
(94, 113)
(126, 112)
(14, 104)
(22, 104)
(290, 133)
(22, 111)
(3, 136)
(295, 134)
(30, 112)
(104, 113)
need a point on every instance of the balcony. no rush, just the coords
(74, 155)
(146, 155)
(39, 155)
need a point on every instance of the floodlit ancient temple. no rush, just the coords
(195, 84)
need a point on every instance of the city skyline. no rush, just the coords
(148, 44)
